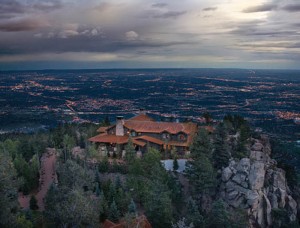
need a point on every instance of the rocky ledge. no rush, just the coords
(257, 184)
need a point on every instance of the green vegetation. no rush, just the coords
(88, 194)
(237, 125)
(33, 203)
(221, 153)
(175, 164)
(113, 213)
(200, 169)
(8, 191)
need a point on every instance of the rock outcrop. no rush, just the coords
(256, 184)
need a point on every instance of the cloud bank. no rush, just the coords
(209, 33)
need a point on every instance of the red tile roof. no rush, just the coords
(142, 117)
(150, 139)
(108, 224)
(158, 127)
(138, 142)
(110, 139)
(105, 138)
(102, 129)
(141, 222)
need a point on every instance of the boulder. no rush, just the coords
(244, 165)
(268, 210)
(258, 156)
(257, 147)
(226, 174)
(252, 198)
(278, 179)
(257, 175)
(232, 195)
(291, 208)
(257, 184)
(273, 200)
(241, 179)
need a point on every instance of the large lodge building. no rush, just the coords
(145, 131)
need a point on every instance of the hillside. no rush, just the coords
(231, 179)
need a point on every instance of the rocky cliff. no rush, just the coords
(256, 183)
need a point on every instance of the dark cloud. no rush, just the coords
(210, 9)
(21, 25)
(159, 5)
(263, 32)
(47, 5)
(14, 8)
(170, 14)
(261, 8)
(296, 24)
(295, 45)
(10, 8)
(266, 44)
(260, 28)
(292, 8)
(82, 43)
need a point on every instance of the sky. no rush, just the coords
(65, 34)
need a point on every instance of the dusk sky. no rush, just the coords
(56, 34)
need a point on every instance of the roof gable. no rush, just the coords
(142, 117)
(102, 129)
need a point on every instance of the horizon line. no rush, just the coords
(152, 68)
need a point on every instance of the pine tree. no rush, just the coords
(132, 207)
(175, 164)
(11, 147)
(112, 192)
(118, 183)
(8, 190)
(150, 159)
(33, 203)
(71, 208)
(98, 190)
(130, 155)
(114, 213)
(68, 144)
(221, 154)
(193, 214)
(200, 170)
(97, 176)
(158, 205)
(104, 165)
(219, 215)
(122, 200)
(103, 207)
(201, 145)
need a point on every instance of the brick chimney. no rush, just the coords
(120, 126)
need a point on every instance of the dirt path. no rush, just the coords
(47, 177)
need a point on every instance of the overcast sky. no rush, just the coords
(44, 34)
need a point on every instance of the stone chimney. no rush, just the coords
(120, 126)
(142, 111)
